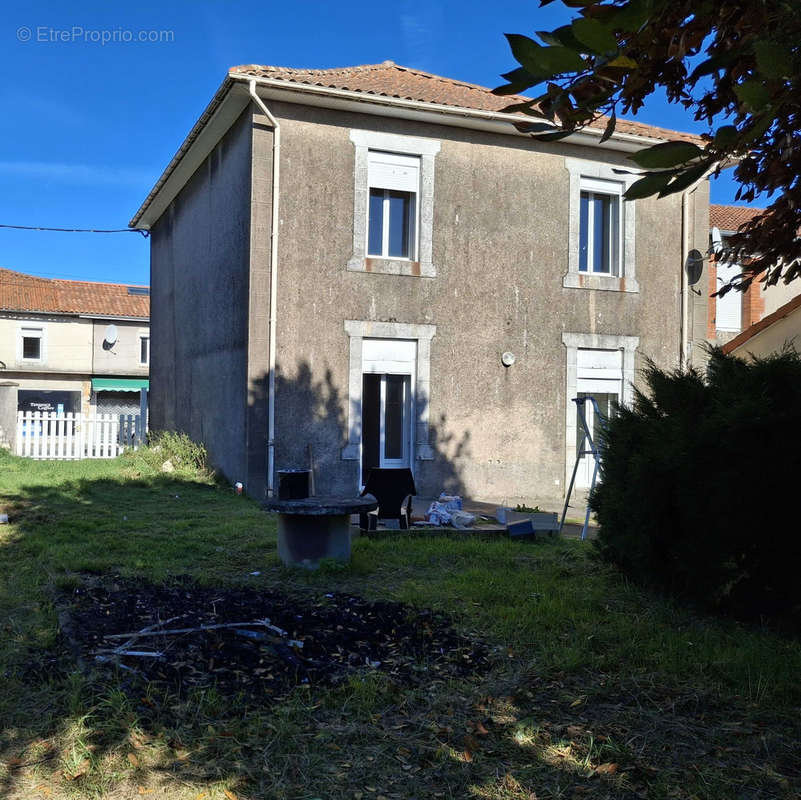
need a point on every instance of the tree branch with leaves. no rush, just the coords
(735, 65)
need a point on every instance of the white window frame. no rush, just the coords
(603, 179)
(141, 337)
(357, 331)
(612, 189)
(574, 342)
(426, 149)
(31, 331)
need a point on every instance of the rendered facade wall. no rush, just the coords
(199, 305)
(121, 357)
(500, 248)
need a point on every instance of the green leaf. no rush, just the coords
(685, 179)
(594, 35)
(610, 128)
(561, 37)
(773, 60)
(725, 136)
(519, 80)
(712, 65)
(535, 127)
(553, 137)
(760, 126)
(753, 94)
(522, 108)
(623, 61)
(557, 60)
(667, 154)
(543, 61)
(645, 187)
(630, 17)
(525, 50)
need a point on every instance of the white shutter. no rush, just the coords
(392, 356)
(393, 171)
(599, 371)
(602, 187)
(728, 309)
(604, 364)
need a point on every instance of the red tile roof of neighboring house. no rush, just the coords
(393, 80)
(730, 218)
(780, 313)
(20, 292)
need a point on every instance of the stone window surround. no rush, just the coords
(592, 341)
(358, 330)
(574, 279)
(426, 149)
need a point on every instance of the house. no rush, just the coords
(735, 312)
(74, 346)
(370, 266)
(770, 334)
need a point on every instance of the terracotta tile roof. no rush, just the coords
(20, 292)
(393, 80)
(780, 313)
(729, 218)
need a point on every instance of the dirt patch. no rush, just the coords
(245, 641)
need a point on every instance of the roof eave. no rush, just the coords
(232, 97)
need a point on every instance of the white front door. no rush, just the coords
(599, 375)
(388, 368)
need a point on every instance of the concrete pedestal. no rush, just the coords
(316, 528)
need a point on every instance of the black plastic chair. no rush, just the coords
(392, 488)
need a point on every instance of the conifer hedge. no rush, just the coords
(700, 492)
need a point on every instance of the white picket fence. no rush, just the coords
(44, 435)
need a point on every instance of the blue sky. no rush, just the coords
(88, 127)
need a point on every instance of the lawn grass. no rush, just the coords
(597, 689)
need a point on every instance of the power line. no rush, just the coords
(77, 230)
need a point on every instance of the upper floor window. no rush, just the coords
(599, 227)
(30, 344)
(393, 206)
(144, 351)
(394, 182)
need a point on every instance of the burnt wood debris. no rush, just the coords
(259, 642)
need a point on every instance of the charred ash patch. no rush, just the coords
(250, 642)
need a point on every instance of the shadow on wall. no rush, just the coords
(312, 427)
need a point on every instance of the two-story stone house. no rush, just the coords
(371, 266)
(74, 346)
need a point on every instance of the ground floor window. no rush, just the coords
(47, 401)
(599, 366)
(388, 394)
(386, 421)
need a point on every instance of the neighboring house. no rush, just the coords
(371, 266)
(776, 330)
(737, 311)
(74, 346)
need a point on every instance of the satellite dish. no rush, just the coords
(507, 359)
(717, 241)
(694, 266)
(111, 334)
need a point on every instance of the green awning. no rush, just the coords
(119, 384)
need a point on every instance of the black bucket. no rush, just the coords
(293, 484)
